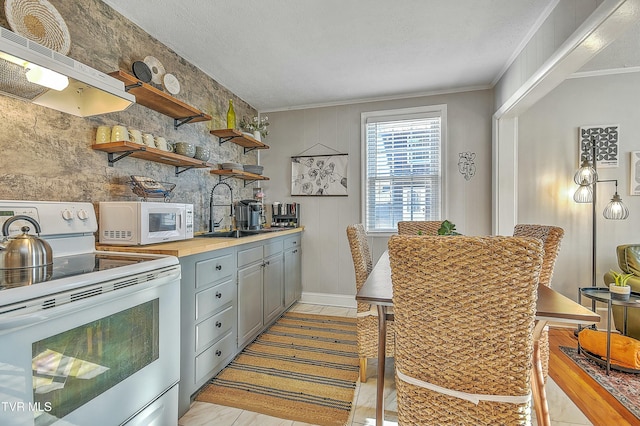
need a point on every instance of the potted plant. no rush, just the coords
(256, 126)
(447, 228)
(619, 289)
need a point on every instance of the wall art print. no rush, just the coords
(634, 173)
(606, 139)
(467, 165)
(319, 175)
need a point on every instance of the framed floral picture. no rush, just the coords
(319, 175)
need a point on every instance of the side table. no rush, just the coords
(602, 294)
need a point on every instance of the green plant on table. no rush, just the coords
(620, 278)
(447, 228)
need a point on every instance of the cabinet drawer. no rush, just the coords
(272, 248)
(250, 255)
(291, 242)
(216, 269)
(210, 360)
(210, 300)
(209, 330)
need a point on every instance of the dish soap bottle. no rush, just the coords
(231, 116)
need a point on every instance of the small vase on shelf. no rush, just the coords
(256, 135)
(231, 116)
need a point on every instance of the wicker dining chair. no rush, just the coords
(464, 319)
(551, 237)
(419, 227)
(367, 316)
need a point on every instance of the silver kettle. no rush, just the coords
(24, 251)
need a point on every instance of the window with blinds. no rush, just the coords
(403, 167)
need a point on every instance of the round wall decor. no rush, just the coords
(156, 67)
(38, 21)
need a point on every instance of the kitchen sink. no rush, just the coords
(239, 233)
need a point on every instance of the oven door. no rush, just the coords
(95, 360)
(160, 223)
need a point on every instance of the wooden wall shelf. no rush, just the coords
(224, 174)
(159, 101)
(236, 136)
(126, 148)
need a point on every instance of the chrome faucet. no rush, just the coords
(213, 224)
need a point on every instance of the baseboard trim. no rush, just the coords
(327, 299)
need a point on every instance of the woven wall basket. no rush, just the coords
(39, 21)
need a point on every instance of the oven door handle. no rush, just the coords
(32, 317)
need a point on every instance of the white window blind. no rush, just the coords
(403, 170)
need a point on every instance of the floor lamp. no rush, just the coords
(587, 179)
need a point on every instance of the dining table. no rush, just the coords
(551, 306)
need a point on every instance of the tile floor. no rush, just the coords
(563, 411)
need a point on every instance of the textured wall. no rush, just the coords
(47, 155)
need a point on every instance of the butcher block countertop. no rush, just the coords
(196, 245)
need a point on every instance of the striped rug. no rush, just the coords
(304, 368)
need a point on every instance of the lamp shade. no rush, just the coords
(584, 194)
(586, 174)
(616, 209)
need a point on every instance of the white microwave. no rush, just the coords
(129, 223)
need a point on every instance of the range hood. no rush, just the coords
(89, 92)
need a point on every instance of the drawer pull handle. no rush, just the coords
(295, 242)
(218, 324)
(295, 251)
(218, 352)
(218, 295)
(218, 267)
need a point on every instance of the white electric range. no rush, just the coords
(95, 338)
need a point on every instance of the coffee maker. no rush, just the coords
(248, 213)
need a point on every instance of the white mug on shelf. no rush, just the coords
(119, 133)
(103, 134)
(136, 136)
(161, 143)
(148, 140)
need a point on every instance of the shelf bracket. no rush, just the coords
(113, 160)
(178, 171)
(132, 86)
(177, 122)
(249, 182)
(249, 149)
(227, 139)
(222, 179)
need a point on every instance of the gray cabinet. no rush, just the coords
(273, 281)
(227, 298)
(208, 312)
(292, 269)
(260, 287)
(249, 302)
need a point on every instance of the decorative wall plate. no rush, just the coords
(141, 71)
(38, 21)
(156, 67)
(171, 83)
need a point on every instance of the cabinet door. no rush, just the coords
(273, 288)
(292, 276)
(249, 303)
